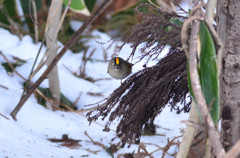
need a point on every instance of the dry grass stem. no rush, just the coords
(4, 116)
(3, 86)
(193, 124)
(35, 19)
(94, 142)
(92, 151)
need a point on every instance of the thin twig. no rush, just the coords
(32, 73)
(142, 146)
(192, 124)
(4, 26)
(11, 66)
(90, 109)
(91, 151)
(59, 56)
(85, 59)
(46, 98)
(4, 116)
(77, 99)
(37, 90)
(40, 65)
(234, 151)
(94, 142)
(3, 86)
(180, 7)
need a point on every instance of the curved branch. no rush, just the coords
(196, 86)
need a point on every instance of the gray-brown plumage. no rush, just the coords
(119, 68)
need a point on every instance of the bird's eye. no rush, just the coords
(115, 66)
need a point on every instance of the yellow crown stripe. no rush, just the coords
(117, 61)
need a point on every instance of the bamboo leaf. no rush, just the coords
(208, 75)
(208, 72)
(78, 6)
(90, 4)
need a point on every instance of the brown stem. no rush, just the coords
(58, 57)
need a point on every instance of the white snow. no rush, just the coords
(27, 137)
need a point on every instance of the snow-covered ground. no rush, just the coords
(28, 136)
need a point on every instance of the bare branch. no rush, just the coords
(59, 56)
(184, 37)
(4, 116)
(3, 86)
(95, 142)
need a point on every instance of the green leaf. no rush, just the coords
(78, 6)
(208, 72)
(176, 21)
(14, 64)
(90, 4)
(47, 93)
(8, 9)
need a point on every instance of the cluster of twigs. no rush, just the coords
(144, 95)
(142, 151)
(154, 32)
(53, 63)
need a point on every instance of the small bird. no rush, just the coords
(119, 68)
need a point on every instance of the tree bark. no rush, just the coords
(228, 28)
